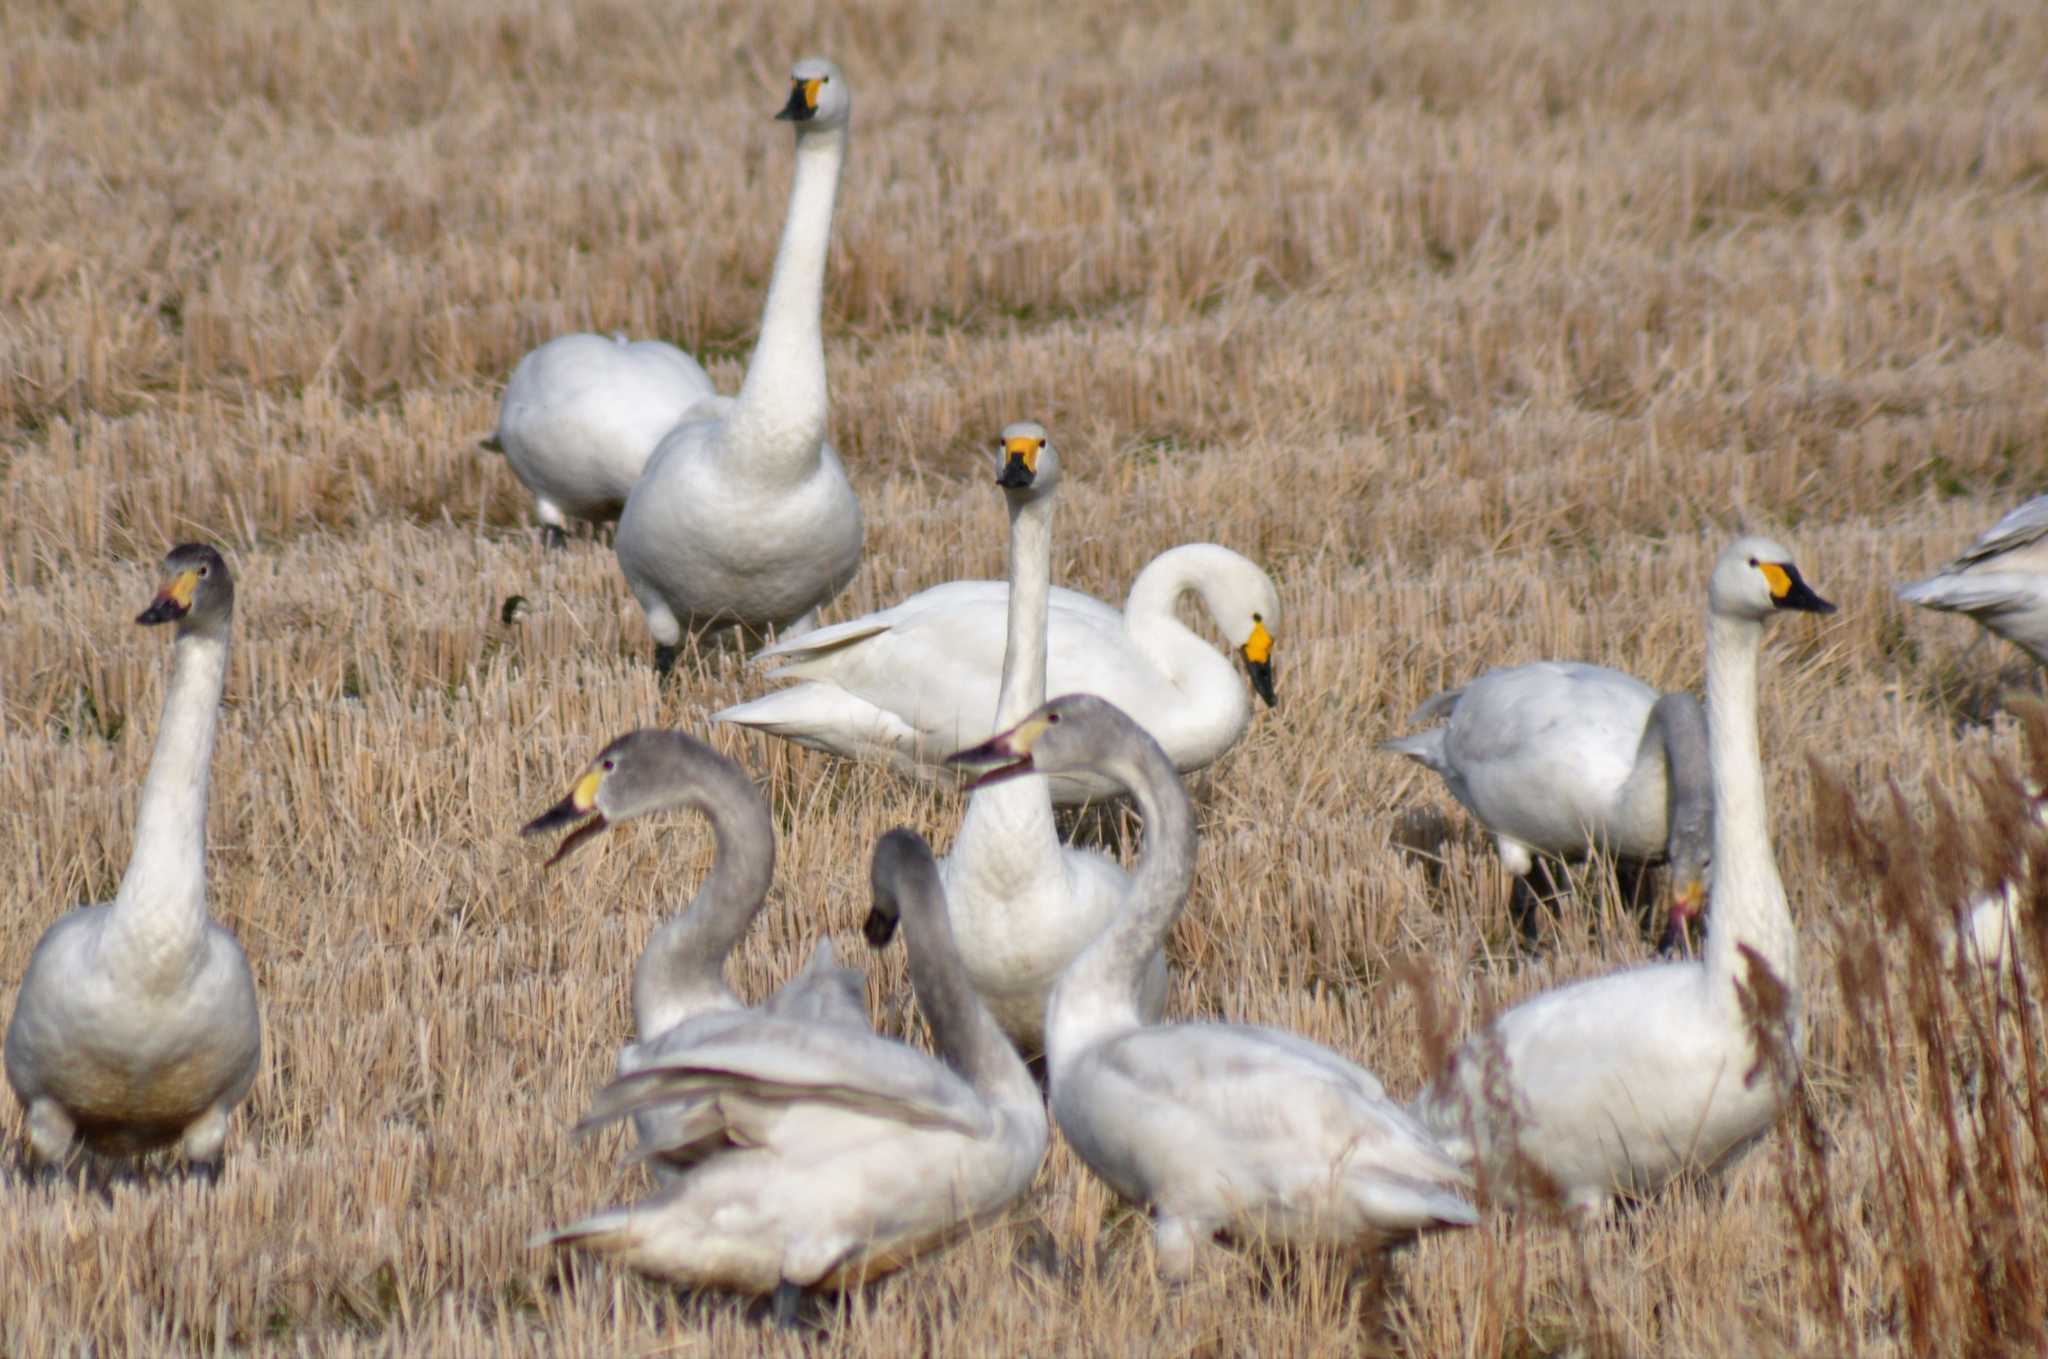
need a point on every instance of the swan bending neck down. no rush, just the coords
(1556, 757)
(1023, 904)
(744, 516)
(1619, 1083)
(680, 995)
(1216, 1126)
(136, 1023)
(910, 684)
(843, 1154)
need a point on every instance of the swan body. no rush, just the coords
(136, 1024)
(907, 685)
(2001, 580)
(1218, 1127)
(1619, 1083)
(581, 415)
(743, 515)
(1555, 757)
(842, 1154)
(680, 995)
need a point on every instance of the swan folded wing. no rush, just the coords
(1989, 593)
(2020, 527)
(777, 1061)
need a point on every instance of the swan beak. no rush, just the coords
(1788, 591)
(173, 601)
(1688, 899)
(581, 802)
(1010, 753)
(1258, 661)
(1020, 462)
(803, 101)
(879, 928)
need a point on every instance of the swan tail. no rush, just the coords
(1434, 708)
(820, 716)
(1961, 594)
(491, 443)
(611, 1230)
(1426, 748)
(808, 646)
(1405, 1204)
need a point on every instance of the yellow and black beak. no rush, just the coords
(803, 100)
(1020, 462)
(1788, 591)
(1258, 661)
(1688, 899)
(173, 600)
(580, 803)
(1009, 752)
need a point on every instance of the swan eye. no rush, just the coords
(1754, 562)
(1052, 717)
(610, 765)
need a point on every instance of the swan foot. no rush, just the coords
(665, 659)
(553, 537)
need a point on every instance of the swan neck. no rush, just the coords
(780, 417)
(159, 915)
(1675, 737)
(1747, 898)
(967, 1035)
(681, 972)
(1100, 990)
(1023, 684)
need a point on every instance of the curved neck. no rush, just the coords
(1150, 618)
(966, 1033)
(1099, 991)
(1746, 902)
(681, 972)
(780, 418)
(159, 913)
(1674, 748)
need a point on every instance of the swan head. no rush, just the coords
(1026, 462)
(1242, 601)
(641, 772)
(197, 592)
(1075, 733)
(818, 96)
(899, 856)
(1754, 578)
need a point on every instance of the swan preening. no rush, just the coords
(1618, 1083)
(582, 413)
(743, 515)
(908, 685)
(1218, 1127)
(680, 996)
(839, 1154)
(2001, 580)
(136, 1026)
(1557, 757)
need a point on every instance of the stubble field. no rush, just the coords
(1482, 326)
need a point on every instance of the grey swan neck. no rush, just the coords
(1099, 991)
(158, 920)
(780, 417)
(1746, 902)
(681, 971)
(966, 1033)
(1675, 749)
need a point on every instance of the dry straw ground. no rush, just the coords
(1482, 324)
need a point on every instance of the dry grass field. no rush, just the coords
(1482, 325)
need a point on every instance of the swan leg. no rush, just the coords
(665, 659)
(1176, 1241)
(786, 1305)
(553, 537)
(50, 1132)
(204, 1143)
(554, 525)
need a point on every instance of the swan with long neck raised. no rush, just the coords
(136, 1024)
(842, 1154)
(1561, 757)
(680, 995)
(908, 685)
(743, 516)
(1023, 903)
(1216, 1126)
(1618, 1083)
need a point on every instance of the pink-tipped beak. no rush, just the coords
(564, 813)
(995, 751)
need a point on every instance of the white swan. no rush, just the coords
(680, 996)
(1216, 1126)
(581, 415)
(136, 1026)
(743, 515)
(1555, 757)
(1618, 1083)
(2001, 580)
(907, 685)
(844, 1154)
(1022, 902)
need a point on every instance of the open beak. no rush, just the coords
(580, 803)
(173, 601)
(1009, 752)
(1688, 899)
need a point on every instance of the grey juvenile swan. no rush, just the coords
(136, 1025)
